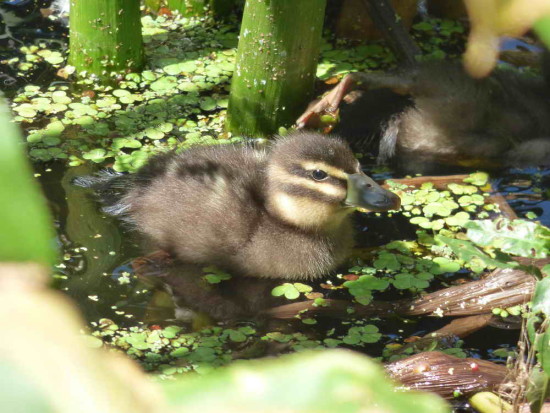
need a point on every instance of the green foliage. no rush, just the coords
(214, 275)
(173, 349)
(26, 233)
(318, 380)
(540, 336)
(470, 255)
(404, 281)
(290, 290)
(542, 28)
(522, 238)
(362, 288)
(362, 335)
(180, 102)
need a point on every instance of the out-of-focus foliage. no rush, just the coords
(46, 366)
(488, 402)
(538, 330)
(322, 381)
(25, 228)
(493, 18)
(539, 334)
(45, 351)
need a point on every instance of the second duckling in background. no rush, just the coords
(280, 214)
(437, 115)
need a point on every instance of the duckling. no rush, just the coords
(437, 114)
(279, 214)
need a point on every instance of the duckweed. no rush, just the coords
(291, 291)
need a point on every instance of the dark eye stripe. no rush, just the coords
(299, 171)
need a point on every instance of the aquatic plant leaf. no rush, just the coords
(332, 342)
(171, 331)
(95, 155)
(214, 275)
(362, 288)
(477, 179)
(236, 336)
(303, 288)
(287, 289)
(362, 334)
(470, 254)
(405, 281)
(443, 265)
(179, 352)
(541, 297)
(523, 238)
(138, 341)
(458, 220)
(387, 261)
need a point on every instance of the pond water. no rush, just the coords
(97, 252)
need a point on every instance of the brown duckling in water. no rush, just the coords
(437, 114)
(283, 213)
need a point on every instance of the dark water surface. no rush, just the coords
(95, 268)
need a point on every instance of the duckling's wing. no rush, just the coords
(200, 204)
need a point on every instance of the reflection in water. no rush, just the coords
(102, 272)
(95, 270)
(527, 190)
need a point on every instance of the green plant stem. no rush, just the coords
(105, 36)
(276, 64)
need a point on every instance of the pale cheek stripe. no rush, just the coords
(324, 187)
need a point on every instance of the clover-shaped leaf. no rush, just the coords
(287, 289)
(443, 265)
(387, 261)
(214, 275)
(477, 179)
(362, 334)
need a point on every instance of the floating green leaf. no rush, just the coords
(523, 238)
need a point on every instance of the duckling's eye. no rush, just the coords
(319, 175)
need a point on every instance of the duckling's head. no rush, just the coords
(314, 181)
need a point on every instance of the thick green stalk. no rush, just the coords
(105, 36)
(276, 64)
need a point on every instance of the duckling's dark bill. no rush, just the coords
(364, 193)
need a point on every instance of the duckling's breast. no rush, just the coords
(280, 251)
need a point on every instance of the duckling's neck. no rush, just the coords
(306, 213)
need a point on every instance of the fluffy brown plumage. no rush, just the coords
(437, 114)
(280, 213)
(252, 212)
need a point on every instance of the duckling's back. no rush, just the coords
(200, 204)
